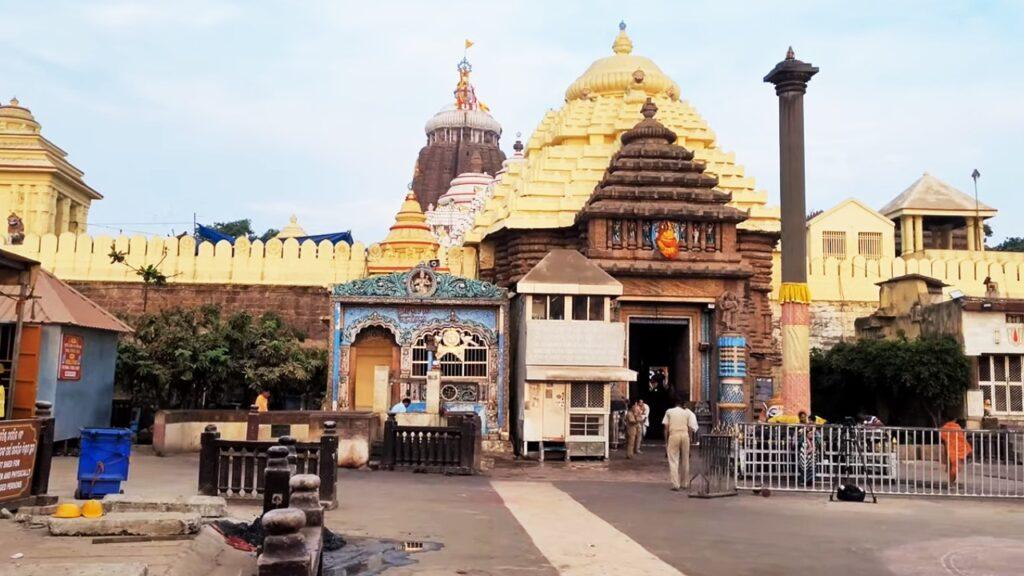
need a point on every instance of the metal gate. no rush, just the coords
(891, 460)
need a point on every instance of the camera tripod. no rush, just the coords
(849, 447)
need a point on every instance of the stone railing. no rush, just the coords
(285, 263)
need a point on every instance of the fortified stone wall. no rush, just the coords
(302, 307)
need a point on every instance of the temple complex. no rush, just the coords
(40, 191)
(460, 132)
(569, 151)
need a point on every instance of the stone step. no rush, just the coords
(128, 524)
(205, 506)
(79, 569)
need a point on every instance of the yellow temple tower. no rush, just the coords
(569, 151)
(39, 189)
(408, 243)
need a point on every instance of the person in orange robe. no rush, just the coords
(957, 447)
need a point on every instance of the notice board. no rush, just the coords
(71, 346)
(18, 441)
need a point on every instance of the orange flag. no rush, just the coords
(469, 43)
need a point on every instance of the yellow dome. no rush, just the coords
(622, 72)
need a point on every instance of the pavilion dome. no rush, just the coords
(452, 117)
(16, 118)
(621, 72)
(292, 230)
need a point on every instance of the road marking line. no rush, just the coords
(576, 541)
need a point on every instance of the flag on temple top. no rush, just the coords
(469, 43)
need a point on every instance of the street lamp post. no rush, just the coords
(790, 78)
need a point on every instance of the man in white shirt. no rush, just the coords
(401, 407)
(679, 423)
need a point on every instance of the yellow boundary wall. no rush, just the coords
(855, 279)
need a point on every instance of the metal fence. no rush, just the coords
(713, 476)
(889, 460)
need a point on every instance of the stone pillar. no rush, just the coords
(434, 391)
(907, 234)
(979, 227)
(732, 373)
(790, 78)
(971, 235)
(918, 233)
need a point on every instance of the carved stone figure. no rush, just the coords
(15, 229)
(728, 308)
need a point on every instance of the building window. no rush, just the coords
(588, 308)
(869, 245)
(1001, 382)
(833, 244)
(1015, 318)
(464, 359)
(588, 395)
(556, 307)
(586, 425)
(548, 307)
(539, 307)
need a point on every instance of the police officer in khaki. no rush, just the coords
(679, 423)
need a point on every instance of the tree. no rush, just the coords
(186, 358)
(239, 228)
(1011, 244)
(902, 381)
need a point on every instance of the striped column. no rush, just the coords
(796, 347)
(732, 373)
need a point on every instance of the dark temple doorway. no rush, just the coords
(659, 351)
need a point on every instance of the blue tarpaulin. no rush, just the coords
(212, 235)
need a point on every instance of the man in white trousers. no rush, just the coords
(679, 423)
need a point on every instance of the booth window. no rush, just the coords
(469, 360)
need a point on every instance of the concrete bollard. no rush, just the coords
(284, 547)
(275, 479)
(305, 496)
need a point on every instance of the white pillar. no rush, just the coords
(918, 233)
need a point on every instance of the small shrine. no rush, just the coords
(408, 243)
(388, 332)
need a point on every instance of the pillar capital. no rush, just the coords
(791, 75)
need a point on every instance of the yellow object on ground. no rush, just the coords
(793, 419)
(92, 509)
(67, 510)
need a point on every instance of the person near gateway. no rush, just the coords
(262, 402)
(680, 423)
(401, 407)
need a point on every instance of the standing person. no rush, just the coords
(632, 429)
(645, 423)
(957, 446)
(262, 401)
(679, 422)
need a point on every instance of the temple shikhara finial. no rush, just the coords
(649, 109)
(622, 44)
(790, 55)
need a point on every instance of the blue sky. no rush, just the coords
(233, 109)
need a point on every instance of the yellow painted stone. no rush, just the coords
(408, 243)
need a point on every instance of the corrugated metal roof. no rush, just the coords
(54, 302)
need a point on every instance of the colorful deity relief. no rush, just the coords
(667, 241)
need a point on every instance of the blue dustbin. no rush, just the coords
(103, 461)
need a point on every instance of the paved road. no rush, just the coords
(587, 519)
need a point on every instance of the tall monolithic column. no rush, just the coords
(790, 78)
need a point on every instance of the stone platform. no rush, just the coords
(128, 524)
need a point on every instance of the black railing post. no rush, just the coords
(329, 464)
(387, 458)
(293, 457)
(209, 460)
(44, 449)
(467, 446)
(275, 479)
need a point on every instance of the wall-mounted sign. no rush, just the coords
(17, 458)
(71, 346)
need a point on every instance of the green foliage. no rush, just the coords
(902, 381)
(243, 227)
(193, 358)
(1011, 244)
(150, 273)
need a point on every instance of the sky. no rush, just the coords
(254, 109)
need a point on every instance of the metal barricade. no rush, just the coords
(890, 460)
(714, 471)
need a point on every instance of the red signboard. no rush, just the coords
(17, 458)
(71, 357)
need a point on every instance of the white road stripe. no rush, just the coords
(576, 541)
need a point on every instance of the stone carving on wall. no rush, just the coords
(728, 308)
(375, 319)
(416, 284)
(15, 229)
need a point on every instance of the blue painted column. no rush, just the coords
(732, 373)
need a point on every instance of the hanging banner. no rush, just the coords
(17, 458)
(71, 346)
